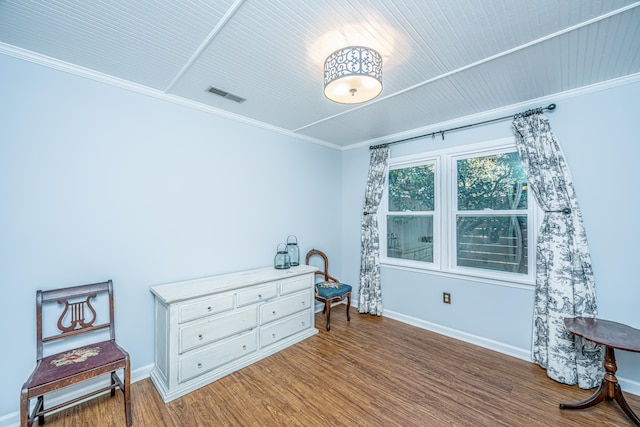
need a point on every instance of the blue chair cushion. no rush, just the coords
(329, 290)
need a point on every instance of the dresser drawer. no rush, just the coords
(211, 330)
(205, 307)
(251, 296)
(294, 285)
(276, 331)
(215, 355)
(284, 306)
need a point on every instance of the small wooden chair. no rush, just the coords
(329, 290)
(74, 365)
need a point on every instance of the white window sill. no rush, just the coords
(515, 283)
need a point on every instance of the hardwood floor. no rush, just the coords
(373, 371)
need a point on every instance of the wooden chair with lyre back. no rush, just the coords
(61, 363)
(329, 290)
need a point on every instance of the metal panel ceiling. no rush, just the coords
(443, 59)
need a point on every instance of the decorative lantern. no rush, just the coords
(281, 260)
(293, 250)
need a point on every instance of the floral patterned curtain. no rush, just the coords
(370, 297)
(564, 279)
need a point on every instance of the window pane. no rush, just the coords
(411, 189)
(410, 237)
(493, 242)
(492, 182)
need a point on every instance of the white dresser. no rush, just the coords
(210, 327)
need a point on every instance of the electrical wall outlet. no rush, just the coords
(446, 297)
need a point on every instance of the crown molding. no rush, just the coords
(502, 111)
(88, 73)
(460, 121)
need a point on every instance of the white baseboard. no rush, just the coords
(628, 386)
(507, 349)
(13, 419)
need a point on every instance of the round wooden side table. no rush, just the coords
(612, 336)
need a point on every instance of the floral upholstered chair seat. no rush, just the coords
(74, 362)
(329, 289)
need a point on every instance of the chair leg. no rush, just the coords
(348, 306)
(24, 409)
(127, 393)
(113, 382)
(327, 308)
(39, 407)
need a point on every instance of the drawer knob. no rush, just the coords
(200, 337)
(302, 323)
(273, 335)
(273, 312)
(199, 365)
(244, 347)
(209, 308)
(259, 296)
(303, 303)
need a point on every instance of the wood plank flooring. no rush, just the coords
(373, 371)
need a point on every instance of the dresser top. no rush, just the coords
(179, 291)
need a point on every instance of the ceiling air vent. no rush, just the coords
(222, 93)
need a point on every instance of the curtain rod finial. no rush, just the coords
(551, 107)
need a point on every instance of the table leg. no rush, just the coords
(625, 406)
(593, 400)
(609, 389)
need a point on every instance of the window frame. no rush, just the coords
(411, 161)
(445, 214)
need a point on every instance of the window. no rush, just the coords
(491, 232)
(461, 212)
(411, 213)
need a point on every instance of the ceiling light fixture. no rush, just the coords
(353, 75)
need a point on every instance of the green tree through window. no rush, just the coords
(494, 241)
(480, 222)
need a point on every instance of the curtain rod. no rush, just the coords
(551, 107)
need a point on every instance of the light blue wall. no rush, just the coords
(98, 183)
(599, 133)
